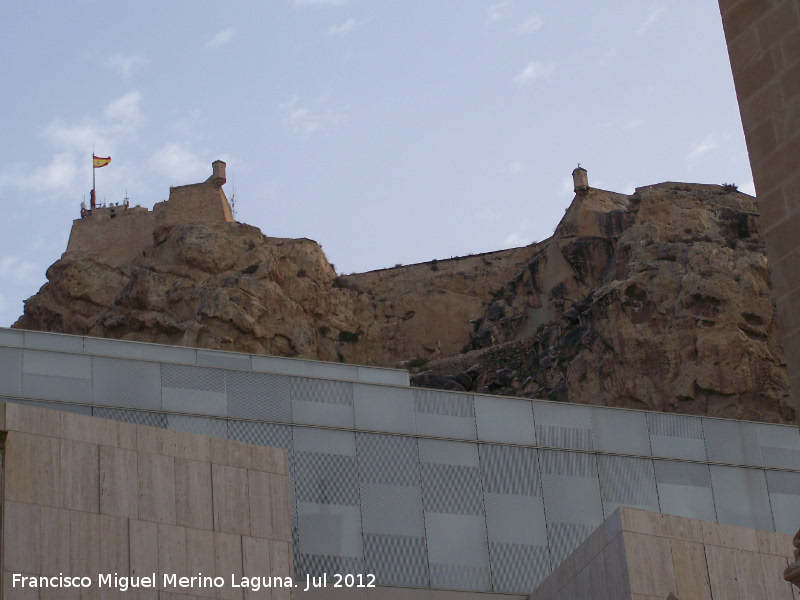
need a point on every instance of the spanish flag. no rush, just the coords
(100, 161)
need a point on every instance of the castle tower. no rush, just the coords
(580, 180)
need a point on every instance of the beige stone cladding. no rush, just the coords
(642, 555)
(84, 496)
(763, 38)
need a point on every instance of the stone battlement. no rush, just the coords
(122, 233)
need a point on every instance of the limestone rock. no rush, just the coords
(658, 300)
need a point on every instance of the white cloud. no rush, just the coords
(124, 114)
(567, 187)
(125, 64)
(533, 71)
(306, 122)
(220, 38)
(654, 15)
(19, 270)
(515, 168)
(179, 164)
(73, 143)
(633, 124)
(59, 174)
(498, 11)
(702, 148)
(748, 188)
(514, 240)
(343, 29)
(531, 24)
(607, 57)
(487, 214)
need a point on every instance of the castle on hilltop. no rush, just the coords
(121, 232)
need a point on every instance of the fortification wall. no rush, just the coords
(763, 39)
(121, 237)
(122, 234)
(198, 203)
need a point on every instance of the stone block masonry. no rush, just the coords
(86, 497)
(121, 234)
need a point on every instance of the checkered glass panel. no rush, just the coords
(387, 459)
(258, 396)
(396, 560)
(192, 378)
(140, 417)
(318, 565)
(326, 478)
(324, 391)
(518, 568)
(263, 434)
(627, 481)
(565, 537)
(510, 470)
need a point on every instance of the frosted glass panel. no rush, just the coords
(129, 383)
(442, 414)
(627, 482)
(620, 431)
(684, 489)
(53, 341)
(741, 497)
(563, 425)
(380, 408)
(731, 442)
(504, 420)
(11, 371)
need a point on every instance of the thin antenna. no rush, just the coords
(233, 196)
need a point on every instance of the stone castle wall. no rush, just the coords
(198, 203)
(121, 234)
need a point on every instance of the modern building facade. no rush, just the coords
(423, 488)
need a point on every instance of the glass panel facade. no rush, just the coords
(504, 420)
(424, 488)
(732, 442)
(741, 497)
(560, 425)
(684, 489)
(676, 436)
(444, 415)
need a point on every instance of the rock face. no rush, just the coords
(657, 300)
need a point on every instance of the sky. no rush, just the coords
(391, 132)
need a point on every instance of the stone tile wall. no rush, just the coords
(84, 496)
(763, 39)
(642, 555)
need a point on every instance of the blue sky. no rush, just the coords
(388, 131)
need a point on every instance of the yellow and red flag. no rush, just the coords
(99, 161)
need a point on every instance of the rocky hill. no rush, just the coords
(657, 300)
